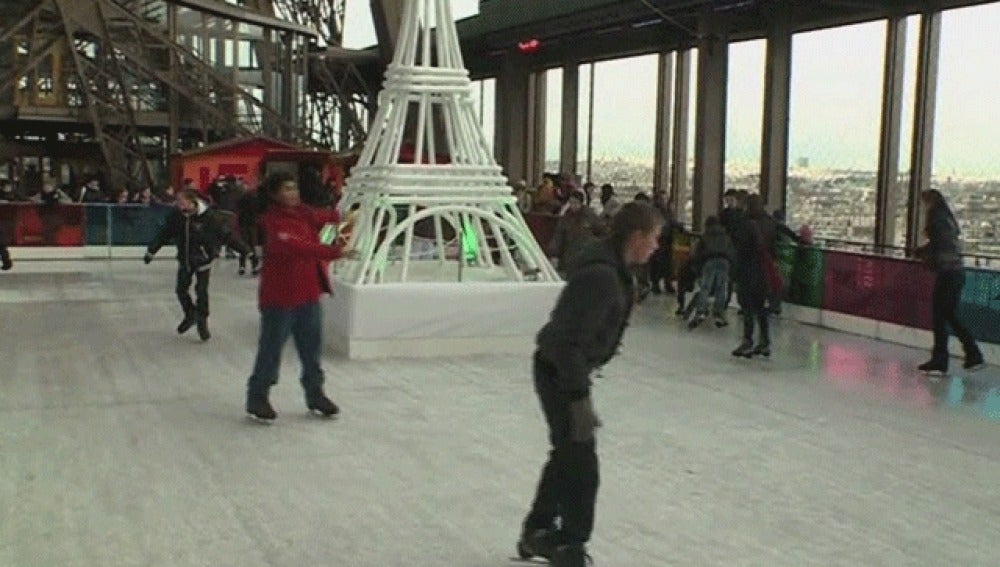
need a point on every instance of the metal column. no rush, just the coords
(682, 120)
(664, 109)
(777, 96)
(710, 126)
(892, 117)
(921, 159)
(570, 119)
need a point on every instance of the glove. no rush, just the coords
(583, 420)
(147, 258)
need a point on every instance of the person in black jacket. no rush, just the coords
(247, 210)
(199, 233)
(943, 254)
(756, 235)
(583, 333)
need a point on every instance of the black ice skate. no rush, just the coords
(745, 350)
(974, 362)
(203, 332)
(259, 408)
(934, 367)
(186, 324)
(321, 405)
(571, 556)
(537, 542)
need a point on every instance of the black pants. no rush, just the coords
(248, 233)
(947, 291)
(4, 255)
(184, 278)
(754, 311)
(661, 269)
(568, 486)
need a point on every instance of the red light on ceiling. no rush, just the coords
(528, 47)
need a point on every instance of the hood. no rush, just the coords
(597, 252)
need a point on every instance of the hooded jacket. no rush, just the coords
(198, 236)
(715, 243)
(943, 251)
(295, 262)
(590, 316)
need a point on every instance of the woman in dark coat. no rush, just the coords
(943, 254)
(754, 235)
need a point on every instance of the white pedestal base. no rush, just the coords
(436, 319)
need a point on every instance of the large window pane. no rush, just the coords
(967, 146)
(744, 115)
(833, 146)
(624, 123)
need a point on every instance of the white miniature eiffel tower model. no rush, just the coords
(462, 209)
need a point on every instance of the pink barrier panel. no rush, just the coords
(885, 289)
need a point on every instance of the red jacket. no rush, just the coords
(295, 262)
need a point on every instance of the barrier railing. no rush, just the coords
(864, 280)
(78, 225)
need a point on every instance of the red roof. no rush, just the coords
(237, 142)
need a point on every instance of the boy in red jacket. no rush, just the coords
(293, 277)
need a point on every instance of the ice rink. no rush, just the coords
(123, 444)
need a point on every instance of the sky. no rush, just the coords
(836, 95)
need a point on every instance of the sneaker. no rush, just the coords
(571, 556)
(974, 362)
(720, 321)
(693, 324)
(203, 333)
(242, 271)
(762, 350)
(745, 350)
(537, 542)
(186, 324)
(321, 405)
(934, 367)
(258, 407)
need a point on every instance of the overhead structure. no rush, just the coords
(139, 79)
(426, 174)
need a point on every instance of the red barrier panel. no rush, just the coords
(27, 224)
(885, 289)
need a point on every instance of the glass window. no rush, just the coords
(745, 115)
(836, 106)
(966, 146)
(624, 123)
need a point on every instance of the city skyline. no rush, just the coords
(836, 95)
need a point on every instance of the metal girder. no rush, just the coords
(122, 58)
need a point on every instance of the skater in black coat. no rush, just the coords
(247, 211)
(199, 233)
(583, 334)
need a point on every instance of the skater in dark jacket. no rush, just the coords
(293, 277)
(943, 254)
(199, 233)
(583, 333)
(246, 214)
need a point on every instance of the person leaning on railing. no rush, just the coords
(943, 254)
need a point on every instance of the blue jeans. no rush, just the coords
(714, 283)
(305, 325)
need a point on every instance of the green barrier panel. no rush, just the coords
(979, 306)
(806, 276)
